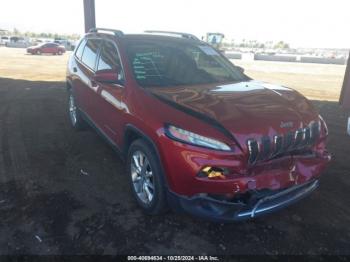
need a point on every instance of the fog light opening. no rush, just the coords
(212, 173)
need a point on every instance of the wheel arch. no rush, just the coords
(69, 84)
(131, 134)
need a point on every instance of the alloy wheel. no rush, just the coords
(142, 177)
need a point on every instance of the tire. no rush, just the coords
(38, 52)
(149, 175)
(59, 52)
(75, 118)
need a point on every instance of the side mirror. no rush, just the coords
(109, 76)
(240, 69)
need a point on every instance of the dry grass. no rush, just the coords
(316, 81)
(17, 64)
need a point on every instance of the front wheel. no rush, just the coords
(146, 178)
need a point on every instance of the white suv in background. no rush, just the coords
(4, 40)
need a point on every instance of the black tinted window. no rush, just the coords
(80, 49)
(90, 53)
(109, 58)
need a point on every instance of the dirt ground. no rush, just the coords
(48, 206)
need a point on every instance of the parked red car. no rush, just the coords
(197, 134)
(46, 48)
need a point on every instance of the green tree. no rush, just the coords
(281, 45)
(16, 31)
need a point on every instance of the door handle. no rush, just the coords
(93, 83)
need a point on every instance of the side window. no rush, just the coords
(80, 49)
(90, 53)
(109, 58)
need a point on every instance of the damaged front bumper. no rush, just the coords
(227, 211)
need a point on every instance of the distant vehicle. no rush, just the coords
(68, 44)
(215, 39)
(46, 48)
(18, 42)
(4, 40)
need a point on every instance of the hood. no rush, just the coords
(244, 109)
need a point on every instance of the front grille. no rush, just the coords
(307, 136)
(280, 145)
(253, 150)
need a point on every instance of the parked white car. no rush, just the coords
(4, 40)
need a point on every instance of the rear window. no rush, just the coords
(90, 53)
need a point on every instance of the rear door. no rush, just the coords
(77, 76)
(86, 88)
(110, 106)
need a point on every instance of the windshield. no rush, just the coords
(169, 63)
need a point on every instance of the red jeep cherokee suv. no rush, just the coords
(196, 133)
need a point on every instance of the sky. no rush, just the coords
(302, 23)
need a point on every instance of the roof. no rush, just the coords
(148, 35)
(154, 37)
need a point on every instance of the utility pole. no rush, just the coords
(344, 99)
(89, 15)
(345, 92)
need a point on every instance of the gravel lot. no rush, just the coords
(48, 206)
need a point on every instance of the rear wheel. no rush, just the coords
(59, 52)
(146, 178)
(76, 120)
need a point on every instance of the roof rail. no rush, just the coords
(116, 32)
(183, 35)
